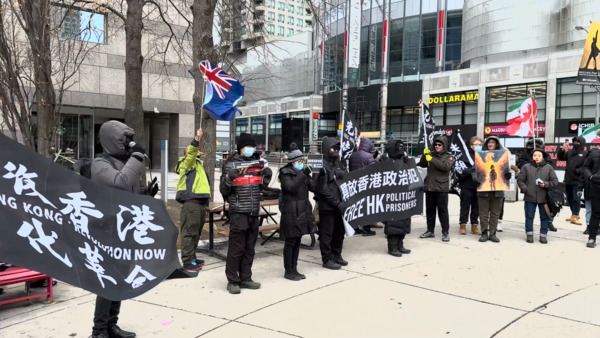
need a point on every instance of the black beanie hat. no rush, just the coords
(245, 140)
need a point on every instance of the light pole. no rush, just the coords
(597, 114)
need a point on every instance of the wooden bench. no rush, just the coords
(16, 275)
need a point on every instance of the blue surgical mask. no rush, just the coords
(477, 148)
(299, 166)
(249, 151)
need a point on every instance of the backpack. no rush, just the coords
(83, 166)
(555, 200)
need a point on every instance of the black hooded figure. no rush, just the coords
(573, 175)
(396, 230)
(331, 206)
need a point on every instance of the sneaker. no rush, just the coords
(529, 238)
(499, 229)
(445, 238)
(494, 238)
(587, 231)
(330, 264)
(199, 261)
(233, 288)
(543, 240)
(292, 276)
(192, 266)
(591, 243)
(427, 234)
(551, 227)
(249, 284)
(368, 233)
(340, 260)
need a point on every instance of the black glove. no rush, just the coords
(233, 174)
(339, 174)
(138, 149)
(267, 172)
(322, 172)
(307, 171)
(507, 175)
(152, 187)
(405, 159)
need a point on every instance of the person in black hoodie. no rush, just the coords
(296, 211)
(591, 175)
(396, 230)
(524, 158)
(243, 193)
(468, 193)
(331, 206)
(573, 175)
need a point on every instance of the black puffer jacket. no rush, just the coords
(394, 150)
(525, 156)
(439, 168)
(575, 158)
(243, 199)
(296, 211)
(328, 192)
(592, 167)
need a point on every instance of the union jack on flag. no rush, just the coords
(228, 92)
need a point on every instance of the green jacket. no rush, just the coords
(193, 181)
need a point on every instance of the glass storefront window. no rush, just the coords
(241, 126)
(574, 101)
(499, 100)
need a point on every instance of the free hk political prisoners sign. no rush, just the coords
(110, 242)
(384, 191)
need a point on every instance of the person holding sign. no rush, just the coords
(240, 186)
(439, 163)
(296, 211)
(534, 180)
(396, 230)
(193, 190)
(122, 169)
(331, 206)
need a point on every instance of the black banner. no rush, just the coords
(110, 242)
(350, 135)
(384, 191)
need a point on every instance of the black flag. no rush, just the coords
(350, 134)
(427, 126)
(463, 161)
(110, 242)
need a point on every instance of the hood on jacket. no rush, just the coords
(534, 144)
(115, 137)
(442, 139)
(545, 156)
(366, 145)
(395, 149)
(328, 143)
(485, 143)
(581, 140)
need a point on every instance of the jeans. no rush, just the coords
(530, 214)
(573, 198)
(588, 211)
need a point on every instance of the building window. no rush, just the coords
(258, 125)
(574, 101)
(79, 24)
(291, 8)
(461, 111)
(290, 20)
(241, 126)
(428, 41)
(500, 99)
(271, 16)
(271, 3)
(404, 123)
(299, 22)
(368, 120)
(290, 31)
(281, 5)
(299, 1)
(299, 10)
(281, 18)
(275, 124)
(453, 40)
(243, 30)
(280, 30)
(271, 29)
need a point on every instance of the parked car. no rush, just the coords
(218, 160)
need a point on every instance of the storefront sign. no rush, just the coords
(500, 130)
(577, 127)
(454, 98)
(315, 129)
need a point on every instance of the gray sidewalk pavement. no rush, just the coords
(458, 289)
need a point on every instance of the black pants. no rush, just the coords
(331, 234)
(468, 200)
(291, 251)
(595, 219)
(243, 233)
(437, 201)
(106, 315)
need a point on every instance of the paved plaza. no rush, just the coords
(458, 289)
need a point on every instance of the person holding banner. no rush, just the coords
(534, 180)
(439, 163)
(242, 190)
(331, 206)
(296, 211)
(396, 230)
(121, 169)
(193, 191)
(468, 193)
(360, 159)
(573, 175)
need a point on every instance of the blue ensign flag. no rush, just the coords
(222, 92)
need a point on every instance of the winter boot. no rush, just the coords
(591, 243)
(484, 236)
(575, 220)
(492, 237)
(401, 247)
(393, 246)
(568, 219)
(529, 238)
(475, 230)
(463, 229)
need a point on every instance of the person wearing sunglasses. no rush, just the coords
(439, 164)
